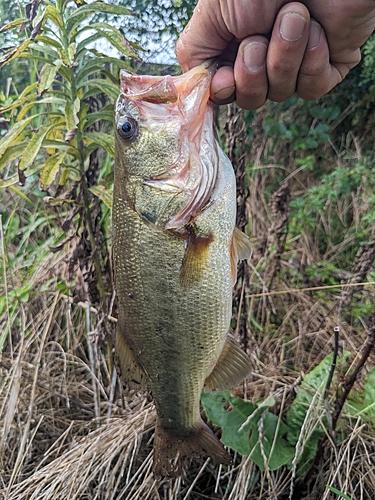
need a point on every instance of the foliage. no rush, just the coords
(253, 430)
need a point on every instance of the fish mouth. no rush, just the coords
(184, 100)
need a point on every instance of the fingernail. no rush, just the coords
(315, 34)
(225, 93)
(292, 26)
(254, 56)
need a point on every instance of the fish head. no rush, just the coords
(165, 140)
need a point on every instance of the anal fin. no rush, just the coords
(127, 366)
(231, 368)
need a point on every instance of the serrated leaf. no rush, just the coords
(33, 147)
(12, 24)
(11, 137)
(103, 194)
(106, 141)
(47, 75)
(15, 53)
(51, 169)
(261, 434)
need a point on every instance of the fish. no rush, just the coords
(175, 257)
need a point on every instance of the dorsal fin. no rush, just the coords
(240, 250)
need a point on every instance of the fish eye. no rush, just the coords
(128, 128)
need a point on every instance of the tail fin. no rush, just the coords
(172, 452)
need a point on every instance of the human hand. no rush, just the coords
(271, 49)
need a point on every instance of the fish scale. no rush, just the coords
(173, 252)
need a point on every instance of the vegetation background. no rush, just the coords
(303, 424)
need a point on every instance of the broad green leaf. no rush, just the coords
(362, 404)
(12, 136)
(71, 112)
(261, 434)
(12, 24)
(101, 86)
(51, 169)
(106, 141)
(103, 194)
(33, 147)
(72, 52)
(81, 13)
(47, 75)
(53, 14)
(15, 53)
(311, 392)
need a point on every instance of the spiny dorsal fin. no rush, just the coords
(231, 368)
(240, 249)
(127, 366)
(195, 258)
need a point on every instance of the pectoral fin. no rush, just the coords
(231, 368)
(195, 259)
(127, 366)
(240, 250)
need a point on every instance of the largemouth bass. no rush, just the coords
(175, 253)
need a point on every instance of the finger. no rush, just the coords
(286, 50)
(205, 36)
(317, 75)
(223, 86)
(250, 72)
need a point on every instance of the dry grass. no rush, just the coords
(69, 430)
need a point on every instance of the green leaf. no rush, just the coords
(53, 14)
(310, 395)
(101, 86)
(261, 434)
(13, 152)
(81, 13)
(15, 53)
(362, 404)
(103, 194)
(96, 65)
(11, 137)
(47, 75)
(71, 112)
(51, 168)
(105, 113)
(14, 179)
(106, 141)
(47, 40)
(34, 146)
(12, 24)
(339, 493)
(119, 41)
